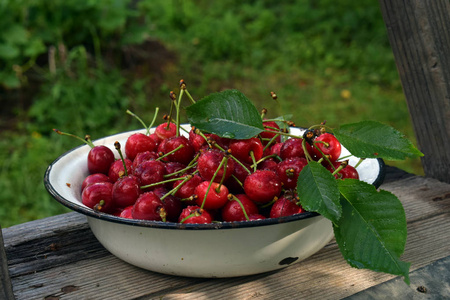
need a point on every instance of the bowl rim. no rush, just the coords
(171, 225)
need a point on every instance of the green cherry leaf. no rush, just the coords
(371, 232)
(228, 114)
(371, 139)
(318, 191)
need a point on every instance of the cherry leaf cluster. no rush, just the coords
(371, 139)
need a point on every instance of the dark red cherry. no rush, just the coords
(150, 172)
(346, 172)
(232, 211)
(138, 142)
(117, 170)
(125, 191)
(262, 186)
(267, 136)
(126, 212)
(149, 207)
(289, 169)
(100, 159)
(293, 148)
(98, 196)
(209, 162)
(172, 204)
(94, 178)
(244, 149)
(195, 215)
(188, 187)
(143, 156)
(285, 206)
(184, 152)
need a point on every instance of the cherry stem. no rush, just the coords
(189, 96)
(181, 171)
(175, 189)
(159, 183)
(305, 150)
(252, 155)
(86, 141)
(264, 158)
(235, 159)
(323, 154)
(170, 152)
(139, 119)
(359, 162)
(233, 197)
(341, 166)
(178, 110)
(195, 213)
(270, 203)
(212, 180)
(238, 181)
(271, 141)
(117, 146)
(153, 121)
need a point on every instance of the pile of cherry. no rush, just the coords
(204, 178)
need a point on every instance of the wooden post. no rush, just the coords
(419, 34)
(6, 291)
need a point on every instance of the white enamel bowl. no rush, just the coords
(197, 250)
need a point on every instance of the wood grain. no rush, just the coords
(419, 34)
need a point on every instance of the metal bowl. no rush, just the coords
(223, 249)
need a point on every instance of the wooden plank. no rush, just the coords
(419, 34)
(427, 283)
(6, 291)
(324, 275)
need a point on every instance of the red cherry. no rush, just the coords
(262, 186)
(98, 196)
(255, 217)
(196, 215)
(182, 155)
(150, 172)
(268, 164)
(214, 199)
(285, 207)
(117, 170)
(144, 156)
(165, 131)
(242, 149)
(172, 204)
(126, 212)
(125, 191)
(232, 211)
(329, 145)
(94, 178)
(149, 207)
(188, 188)
(209, 162)
(267, 136)
(100, 159)
(274, 149)
(347, 172)
(138, 142)
(289, 169)
(293, 148)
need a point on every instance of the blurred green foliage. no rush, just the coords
(78, 65)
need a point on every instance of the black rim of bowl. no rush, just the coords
(170, 225)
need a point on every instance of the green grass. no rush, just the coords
(325, 61)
